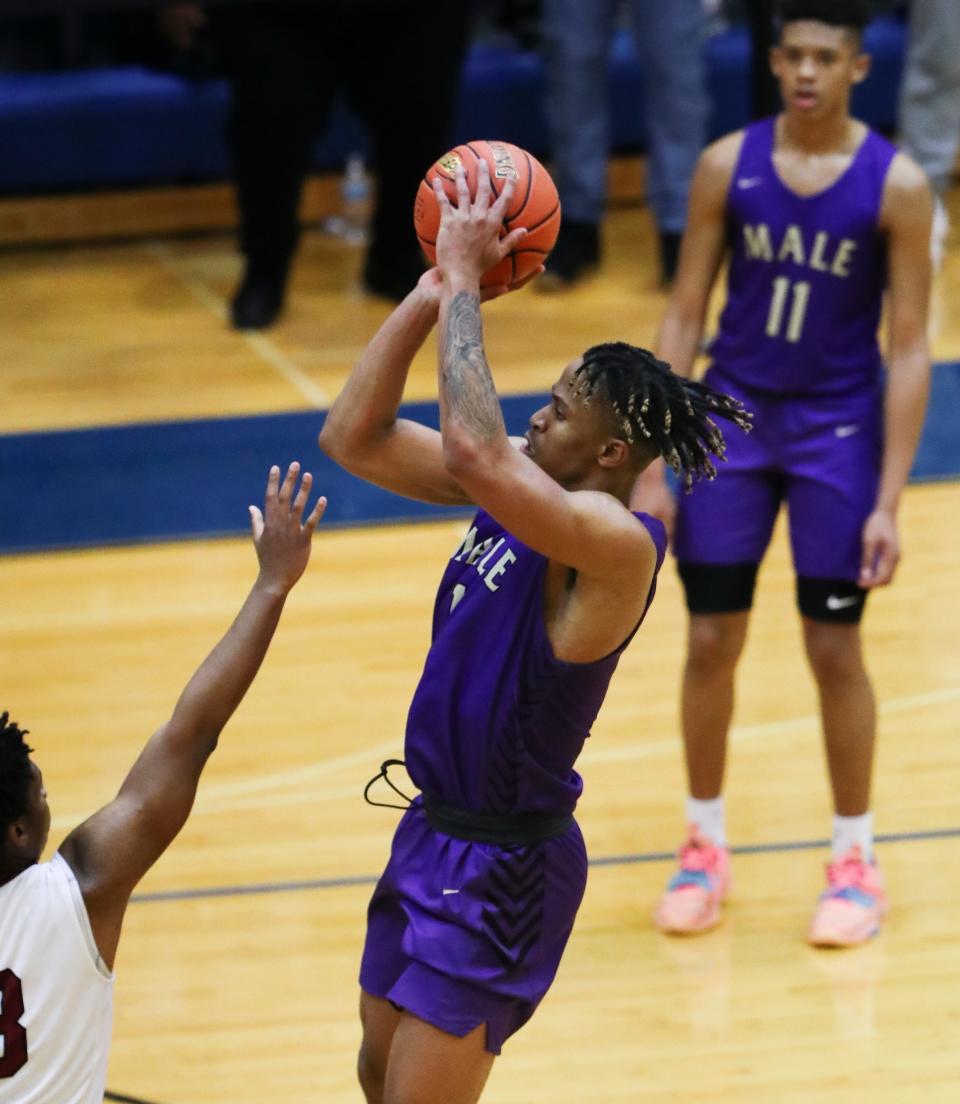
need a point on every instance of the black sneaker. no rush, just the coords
(669, 254)
(575, 255)
(258, 300)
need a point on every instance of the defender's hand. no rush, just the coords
(881, 549)
(469, 242)
(281, 541)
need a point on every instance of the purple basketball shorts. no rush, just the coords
(820, 454)
(462, 934)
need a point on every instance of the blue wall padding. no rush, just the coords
(125, 126)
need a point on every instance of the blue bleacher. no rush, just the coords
(122, 127)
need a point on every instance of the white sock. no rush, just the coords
(709, 816)
(850, 831)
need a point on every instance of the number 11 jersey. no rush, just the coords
(807, 274)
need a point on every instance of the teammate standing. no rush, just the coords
(820, 216)
(468, 923)
(60, 920)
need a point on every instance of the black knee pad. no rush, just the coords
(832, 600)
(718, 588)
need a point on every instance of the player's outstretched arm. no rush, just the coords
(110, 852)
(362, 431)
(906, 215)
(586, 530)
(589, 531)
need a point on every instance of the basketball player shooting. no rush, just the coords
(821, 217)
(60, 921)
(468, 923)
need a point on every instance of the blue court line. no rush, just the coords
(194, 479)
(607, 860)
(938, 456)
(166, 481)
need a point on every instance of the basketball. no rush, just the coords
(535, 204)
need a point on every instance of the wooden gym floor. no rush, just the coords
(250, 997)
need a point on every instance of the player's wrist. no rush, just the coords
(462, 279)
(272, 586)
(426, 301)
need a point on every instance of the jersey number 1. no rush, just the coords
(13, 1033)
(798, 308)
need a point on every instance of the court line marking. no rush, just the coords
(743, 733)
(248, 793)
(259, 793)
(310, 772)
(261, 345)
(218, 795)
(263, 888)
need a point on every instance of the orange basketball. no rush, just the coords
(535, 204)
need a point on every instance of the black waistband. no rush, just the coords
(503, 829)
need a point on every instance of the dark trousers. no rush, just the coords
(398, 63)
(764, 93)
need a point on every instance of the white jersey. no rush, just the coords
(56, 1014)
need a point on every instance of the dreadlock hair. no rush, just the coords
(15, 774)
(658, 411)
(852, 15)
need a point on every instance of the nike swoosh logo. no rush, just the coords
(447, 892)
(834, 602)
(749, 181)
(846, 431)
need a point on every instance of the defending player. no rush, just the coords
(468, 923)
(820, 216)
(60, 920)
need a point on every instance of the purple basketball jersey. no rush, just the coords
(807, 274)
(497, 721)
(459, 932)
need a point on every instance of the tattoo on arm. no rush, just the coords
(467, 394)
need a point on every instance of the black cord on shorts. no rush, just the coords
(382, 773)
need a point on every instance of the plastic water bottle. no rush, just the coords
(355, 200)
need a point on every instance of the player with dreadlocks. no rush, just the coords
(552, 579)
(643, 393)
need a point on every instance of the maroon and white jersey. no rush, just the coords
(56, 994)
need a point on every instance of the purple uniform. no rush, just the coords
(798, 344)
(463, 932)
